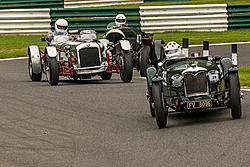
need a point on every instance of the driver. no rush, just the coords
(172, 50)
(61, 28)
(120, 21)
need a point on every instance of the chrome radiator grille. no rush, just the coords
(89, 57)
(196, 83)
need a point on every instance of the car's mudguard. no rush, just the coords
(226, 65)
(233, 70)
(51, 51)
(125, 45)
(157, 79)
(151, 71)
(158, 48)
(35, 57)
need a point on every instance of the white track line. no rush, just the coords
(247, 90)
(16, 58)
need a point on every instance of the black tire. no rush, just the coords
(33, 76)
(144, 60)
(52, 71)
(160, 113)
(126, 66)
(151, 103)
(234, 91)
(106, 76)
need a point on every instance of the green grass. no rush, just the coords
(16, 45)
(244, 75)
(212, 37)
(193, 2)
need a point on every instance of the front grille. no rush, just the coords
(89, 57)
(196, 83)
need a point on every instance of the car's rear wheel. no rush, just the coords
(144, 60)
(126, 66)
(52, 71)
(234, 91)
(160, 113)
(106, 76)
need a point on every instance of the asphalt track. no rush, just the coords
(95, 123)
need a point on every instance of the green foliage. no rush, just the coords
(244, 75)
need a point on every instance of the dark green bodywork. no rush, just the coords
(136, 37)
(175, 97)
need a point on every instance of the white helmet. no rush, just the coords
(61, 26)
(120, 19)
(172, 50)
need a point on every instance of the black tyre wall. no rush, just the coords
(126, 69)
(53, 70)
(160, 113)
(144, 60)
(234, 90)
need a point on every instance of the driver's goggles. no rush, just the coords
(120, 20)
(171, 51)
(62, 27)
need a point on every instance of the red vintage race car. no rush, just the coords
(80, 57)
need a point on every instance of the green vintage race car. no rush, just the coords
(141, 45)
(191, 83)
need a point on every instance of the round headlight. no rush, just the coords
(213, 76)
(177, 80)
(160, 65)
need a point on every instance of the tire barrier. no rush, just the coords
(97, 3)
(212, 17)
(25, 21)
(238, 16)
(25, 4)
(94, 18)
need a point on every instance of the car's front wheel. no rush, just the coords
(160, 113)
(52, 71)
(126, 66)
(33, 76)
(234, 90)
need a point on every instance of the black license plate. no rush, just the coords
(199, 104)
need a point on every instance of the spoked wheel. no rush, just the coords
(33, 76)
(106, 76)
(234, 91)
(144, 60)
(160, 113)
(52, 71)
(126, 66)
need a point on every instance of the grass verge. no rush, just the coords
(199, 37)
(244, 75)
(16, 46)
